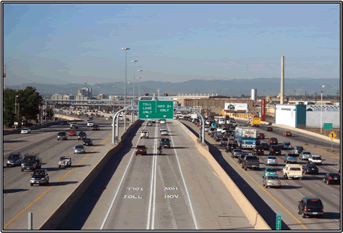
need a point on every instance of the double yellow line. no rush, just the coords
(53, 185)
(263, 188)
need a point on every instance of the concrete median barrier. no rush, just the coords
(248, 209)
(55, 219)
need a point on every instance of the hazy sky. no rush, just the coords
(67, 43)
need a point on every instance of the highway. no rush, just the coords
(175, 190)
(20, 197)
(270, 201)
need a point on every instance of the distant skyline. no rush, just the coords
(78, 43)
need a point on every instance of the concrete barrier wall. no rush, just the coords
(248, 209)
(56, 218)
(299, 130)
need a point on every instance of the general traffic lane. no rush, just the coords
(291, 191)
(175, 190)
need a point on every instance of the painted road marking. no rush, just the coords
(334, 168)
(317, 185)
(216, 174)
(171, 196)
(115, 196)
(334, 195)
(170, 188)
(263, 189)
(132, 197)
(53, 185)
(184, 183)
(301, 194)
(155, 168)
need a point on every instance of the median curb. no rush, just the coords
(248, 209)
(338, 141)
(57, 217)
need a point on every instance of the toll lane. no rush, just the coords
(175, 190)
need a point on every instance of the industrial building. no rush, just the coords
(85, 91)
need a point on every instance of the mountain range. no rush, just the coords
(232, 87)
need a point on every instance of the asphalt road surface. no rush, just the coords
(175, 190)
(269, 202)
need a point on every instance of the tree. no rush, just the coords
(9, 111)
(29, 102)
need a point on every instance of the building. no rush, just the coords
(101, 97)
(85, 91)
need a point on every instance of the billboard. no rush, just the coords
(234, 107)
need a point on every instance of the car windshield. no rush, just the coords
(37, 176)
(29, 159)
(287, 143)
(272, 178)
(264, 144)
(314, 202)
(306, 153)
(87, 139)
(293, 155)
(61, 134)
(237, 150)
(295, 169)
(141, 147)
(271, 157)
(79, 147)
(224, 139)
(25, 129)
(316, 157)
(271, 170)
(299, 148)
(252, 158)
(13, 156)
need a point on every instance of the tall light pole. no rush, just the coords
(125, 86)
(137, 78)
(321, 115)
(134, 78)
(15, 109)
(139, 87)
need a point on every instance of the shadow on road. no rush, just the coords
(83, 208)
(61, 183)
(259, 204)
(14, 141)
(14, 190)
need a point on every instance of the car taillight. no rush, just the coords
(246, 162)
(305, 208)
(262, 150)
(323, 209)
(276, 172)
(275, 160)
(308, 169)
(330, 178)
(279, 182)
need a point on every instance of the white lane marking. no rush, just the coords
(155, 168)
(287, 183)
(337, 220)
(301, 194)
(334, 168)
(184, 183)
(317, 185)
(152, 181)
(216, 175)
(122, 179)
(334, 195)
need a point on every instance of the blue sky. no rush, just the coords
(76, 43)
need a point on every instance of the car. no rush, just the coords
(269, 171)
(241, 157)
(213, 134)
(251, 162)
(164, 133)
(292, 171)
(14, 159)
(165, 142)
(149, 123)
(287, 133)
(236, 153)
(211, 130)
(234, 123)
(269, 128)
(265, 146)
(90, 123)
(305, 155)
(141, 149)
(82, 135)
(31, 162)
(163, 121)
(163, 128)
(316, 159)
(74, 126)
(271, 160)
(271, 181)
(274, 150)
(231, 146)
(261, 135)
(311, 206)
(218, 137)
(40, 176)
(66, 123)
(298, 149)
(206, 128)
(291, 158)
(219, 129)
(96, 127)
(223, 141)
(26, 130)
(107, 118)
(286, 146)
(79, 149)
(72, 133)
(310, 168)
(273, 141)
(258, 150)
(87, 142)
(62, 135)
(330, 178)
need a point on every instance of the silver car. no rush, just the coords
(271, 160)
(206, 128)
(236, 153)
(164, 132)
(305, 155)
(271, 181)
(14, 159)
(79, 149)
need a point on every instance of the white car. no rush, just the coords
(162, 121)
(163, 128)
(316, 159)
(90, 123)
(207, 122)
(304, 155)
(234, 123)
(26, 130)
(219, 129)
(221, 121)
(164, 132)
(207, 128)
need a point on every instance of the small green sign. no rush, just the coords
(155, 109)
(327, 126)
(278, 221)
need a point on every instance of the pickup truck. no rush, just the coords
(31, 162)
(292, 171)
(141, 150)
(251, 162)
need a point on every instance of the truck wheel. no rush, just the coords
(327, 182)
(59, 166)
(22, 170)
(303, 215)
(245, 168)
(323, 180)
(31, 184)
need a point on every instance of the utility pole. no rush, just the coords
(315, 97)
(337, 96)
(305, 96)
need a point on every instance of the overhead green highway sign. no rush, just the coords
(155, 109)
(327, 126)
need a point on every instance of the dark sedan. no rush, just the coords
(310, 168)
(330, 178)
(265, 146)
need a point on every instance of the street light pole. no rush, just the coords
(125, 86)
(139, 78)
(321, 115)
(139, 87)
(134, 79)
